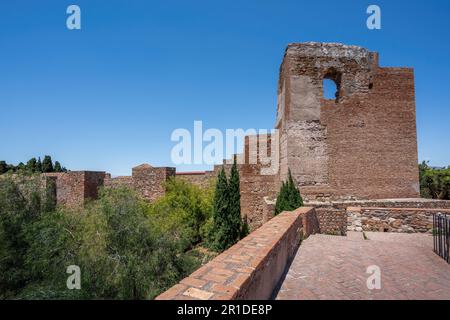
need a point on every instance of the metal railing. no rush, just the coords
(441, 235)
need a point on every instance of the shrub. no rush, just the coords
(434, 183)
(289, 197)
(183, 211)
(122, 251)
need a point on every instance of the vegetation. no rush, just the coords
(125, 247)
(434, 182)
(226, 227)
(183, 212)
(289, 197)
(32, 166)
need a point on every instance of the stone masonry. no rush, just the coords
(148, 181)
(76, 187)
(361, 145)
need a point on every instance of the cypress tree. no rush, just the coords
(289, 197)
(57, 167)
(234, 212)
(220, 213)
(38, 167)
(31, 165)
(295, 199)
(47, 164)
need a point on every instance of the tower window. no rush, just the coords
(332, 84)
(330, 91)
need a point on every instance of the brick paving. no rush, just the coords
(334, 268)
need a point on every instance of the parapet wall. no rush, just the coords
(395, 215)
(252, 268)
(148, 181)
(203, 179)
(402, 220)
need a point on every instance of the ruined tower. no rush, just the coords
(360, 145)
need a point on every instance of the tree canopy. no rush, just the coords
(32, 166)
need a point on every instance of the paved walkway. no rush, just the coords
(334, 268)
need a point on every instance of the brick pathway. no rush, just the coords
(334, 268)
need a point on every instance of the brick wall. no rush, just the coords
(332, 220)
(252, 268)
(329, 145)
(74, 188)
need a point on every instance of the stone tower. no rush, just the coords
(363, 143)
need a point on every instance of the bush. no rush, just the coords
(434, 183)
(16, 214)
(183, 211)
(124, 247)
(289, 197)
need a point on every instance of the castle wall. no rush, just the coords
(74, 188)
(149, 181)
(201, 179)
(92, 182)
(360, 145)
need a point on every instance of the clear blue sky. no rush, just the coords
(108, 97)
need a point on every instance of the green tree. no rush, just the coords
(183, 211)
(17, 212)
(434, 182)
(123, 254)
(47, 164)
(32, 165)
(39, 165)
(289, 197)
(58, 167)
(227, 227)
(234, 208)
(3, 167)
(221, 239)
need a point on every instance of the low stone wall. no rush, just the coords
(338, 217)
(252, 268)
(332, 221)
(402, 220)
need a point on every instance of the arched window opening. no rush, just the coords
(330, 91)
(332, 85)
